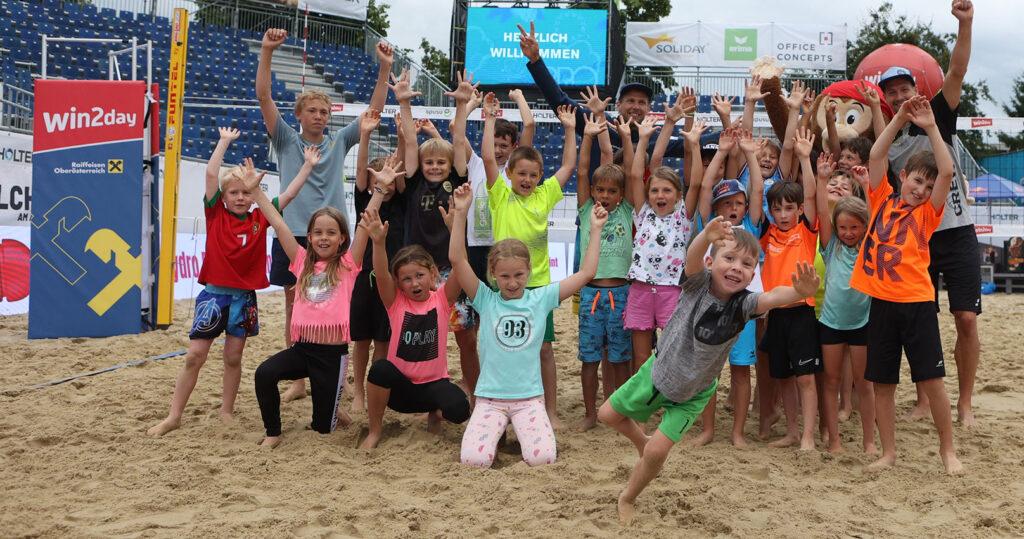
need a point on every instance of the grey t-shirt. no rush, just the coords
(326, 184)
(695, 344)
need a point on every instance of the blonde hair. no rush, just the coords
(745, 243)
(311, 95)
(230, 174)
(507, 248)
(412, 254)
(852, 206)
(667, 174)
(435, 146)
(855, 187)
(334, 261)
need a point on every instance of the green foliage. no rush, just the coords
(658, 78)
(435, 61)
(377, 16)
(1015, 108)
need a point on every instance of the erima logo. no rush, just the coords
(652, 41)
(741, 40)
(96, 117)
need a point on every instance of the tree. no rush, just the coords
(647, 11)
(377, 16)
(884, 27)
(1015, 108)
(435, 61)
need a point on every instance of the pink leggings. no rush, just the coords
(487, 424)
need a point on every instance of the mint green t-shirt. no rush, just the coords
(510, 336)
(844, 307)
(525, 219)
(616, 240)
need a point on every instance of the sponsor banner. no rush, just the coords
(14, 269)
(797, 46)
(999, 230)
(15, 179)
(87, 218)
(997, 215)
(189, 254)
(350, 9)
(573, 44)
(1005, 125)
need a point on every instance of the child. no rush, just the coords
(602, 337)
(510, 387)
(844, 312)
(236, 254)
(681, 376)
(521, 211)
(370, 318)
(414, 377)
(791, 334)
(325, 274)
(662, 223)
(854, 152)
(730, 200)
(892, 268)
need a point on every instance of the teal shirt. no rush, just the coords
(510, 336)
(616, 240)
(844, 308)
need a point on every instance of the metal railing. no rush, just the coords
(431, 87)
(725, 82)
(15, 108)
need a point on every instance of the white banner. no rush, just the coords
(1004, 125)
(15, 179)
(797, 46)
(351, 9)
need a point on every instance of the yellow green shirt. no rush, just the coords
(525, 219)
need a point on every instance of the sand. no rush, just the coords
(76, 460)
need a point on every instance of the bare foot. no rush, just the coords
(886, 461)
(844, 414)
(786, 441)
(587, 423)
(807, 443)
(556, 424)
(870, 449)
(163, 427)
(344, 419)
(704, 438)
(434, 422)
(294, 392)
(358, 406)
(227, 418)
(965, 416)
(270, 442)
(739, 441)
(835, 448)
(371, 441)
(952, 464)
(626, 511)
(918, 413)
(765, 430)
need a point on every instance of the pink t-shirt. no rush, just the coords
(419, 336)
(320, 313)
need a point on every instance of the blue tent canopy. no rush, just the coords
(992, 187)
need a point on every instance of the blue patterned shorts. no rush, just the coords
(220, 310)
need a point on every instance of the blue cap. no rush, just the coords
(895, 72)
(726, 189)
(637, 87)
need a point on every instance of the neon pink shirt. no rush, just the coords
(419, 336)
(320, 313)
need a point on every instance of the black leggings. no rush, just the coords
(323, 364)
(409, 398)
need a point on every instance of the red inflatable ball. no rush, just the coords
(927, 73)
(14, 263)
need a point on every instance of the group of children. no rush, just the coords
(448, 239)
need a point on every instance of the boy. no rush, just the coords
(730, 200)
(853, 152)
(791, 334)
(602, 337)
(682, 375)
(233, 269)
(522, 211)
(892, 268)
(313, 112)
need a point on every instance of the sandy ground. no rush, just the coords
(76, 461)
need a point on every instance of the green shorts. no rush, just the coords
(638, 399)
(549, 325)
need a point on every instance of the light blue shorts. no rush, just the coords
(744, 350)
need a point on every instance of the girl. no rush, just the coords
(511, 330)
(325, 273)
(414, 377)
(663, 227)
(844, 313)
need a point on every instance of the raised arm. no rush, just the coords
(227, 136)
(672, 116)
(805, 285)
(636, 171)
(399, 152)
(368, 122)
(311, 156)
(692, 138)
(875, 104)
(803, 144)
(487, 144)
(830, 126)
(526, 115)
(588, 267)
(755, 187)
(878, 159)
(404, 94)
(717, 229)
(251, 180)
(825, 167)
(922, 116)
(272, 39)
(594, 127)
(463, 93)
(794, 101)
(751, 95)
(952, 85)
(567, 115)
(378, 233)
(466, 278)
(723, 107)
(385, 59)
(726, 140)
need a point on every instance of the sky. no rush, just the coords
(997, 54)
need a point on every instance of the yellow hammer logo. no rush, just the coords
(652, 41)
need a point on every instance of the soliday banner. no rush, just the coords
(798, 46)
(573, 44)
(86, 267)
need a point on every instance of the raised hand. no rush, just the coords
(528, 43)
(229, 134)
(830, 112)
(809, 99)
(491, 106)
(826, 164)
(804, 141)
(805, 280)
(593, 101)
(464, 89)
(251, 177)
(311, 155)
(624, 126)
(860, 175)
(722, 106)
(727, 139)
(398, 121)
(385, 53)
(920, 112)
(719, 230)
(515, 94)
(594, 127)
(869, 94)
(567, 115)
(598, 217)
(646, 127)
(963, 10)
(796, 95)
(402, 88)
(475, 101)
(462, 198)
(387, 174)
(273, 38)
(371, 223)
(685, 104)
(369, 120)
(693, 135)
(747, 142)
(753, 89)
